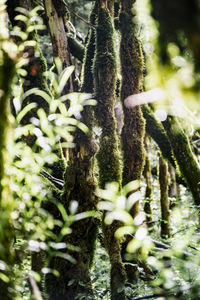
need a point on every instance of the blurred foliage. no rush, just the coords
(33, 224)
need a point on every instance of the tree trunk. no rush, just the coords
(174, 189)
(108, 155)
(164, 202)
(132, 65)
(55, 11)
(148, 191)
(80, 185)
(157, 132)
(185, 158)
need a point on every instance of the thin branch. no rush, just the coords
(74, 13)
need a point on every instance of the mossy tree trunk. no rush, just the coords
(132, 74)
(80, 185)
(108, 156)
(164, 202)
(185, 158)
(157, 132)
(148, 191)
(7, 74)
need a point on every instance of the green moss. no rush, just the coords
(76, 48)
(185, 158)
(105, 71)
(105, 59)
(108, 157)
(157, 132)
(87, 80)
(132, 67)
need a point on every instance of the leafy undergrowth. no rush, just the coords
(174, 273)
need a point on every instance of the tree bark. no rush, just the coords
(164, 202)
(185, 158)
(55, 16)
(148, 191)
(157, 132)
(132, 66)
(80, 185)
(108, 155)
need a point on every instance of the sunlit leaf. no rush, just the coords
(119, 215)
(124, 230)
(21, 18)
(36, 91)
(25, 110)
(83, 127)
(133, 245)
(64, 77)
(130, 187)
(22, 10)
(4, 278)
(66, 256)
(19, 33)
(35, 27)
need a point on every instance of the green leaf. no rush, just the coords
(71, 282)
(21, 18)
(25, 110)
(22, 10)
(122, 231)
(4, 278)
(131, 186)
(64, 77)
(83, 127)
